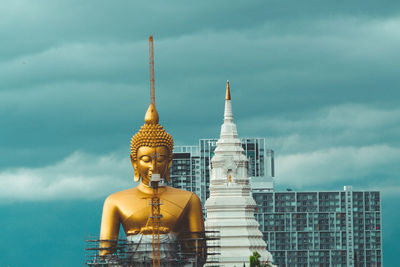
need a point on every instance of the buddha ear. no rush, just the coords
(136, 175)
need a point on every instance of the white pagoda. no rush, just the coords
(230, 207)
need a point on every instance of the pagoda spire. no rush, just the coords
(230, 207)
(228, 115)
(228, 92)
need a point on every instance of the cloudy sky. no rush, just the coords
(320, 80)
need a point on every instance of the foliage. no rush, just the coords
(255, 260)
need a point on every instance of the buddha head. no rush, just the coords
(151, 149)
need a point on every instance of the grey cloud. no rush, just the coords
(32, 27)
(79, 176)
(341, 165)
(54, 120)
(342, 125)
(85, 86)
(77, 62)
(349, 144)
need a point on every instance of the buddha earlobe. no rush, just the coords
(136, 175)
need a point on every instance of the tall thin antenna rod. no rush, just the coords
(151, 57)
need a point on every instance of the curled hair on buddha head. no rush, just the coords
(152, 134)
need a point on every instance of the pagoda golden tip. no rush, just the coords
(151, 116)
(228, 93)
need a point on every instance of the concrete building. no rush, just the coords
(185, 170)
(339, 228)
(190, 168)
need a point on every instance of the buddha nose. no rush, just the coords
(153, 166)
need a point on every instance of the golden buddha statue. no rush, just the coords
(181, 211)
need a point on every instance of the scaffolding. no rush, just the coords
(124, 255)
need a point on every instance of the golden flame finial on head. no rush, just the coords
(228, 92)
(151, 116)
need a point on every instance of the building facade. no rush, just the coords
(190, 166)
(341, 228)
(185, 170)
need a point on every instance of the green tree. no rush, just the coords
(255, 260)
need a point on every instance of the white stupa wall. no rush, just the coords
(230, 207)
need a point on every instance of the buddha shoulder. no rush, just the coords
(120, 197)
(179, 196)
(173, 195)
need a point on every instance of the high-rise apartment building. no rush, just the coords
(325, 228)
(190, 166)
(185, 169)
(340, 228)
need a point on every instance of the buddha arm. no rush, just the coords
(110, 223)
(196, 242)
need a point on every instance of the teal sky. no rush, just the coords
(319, 80)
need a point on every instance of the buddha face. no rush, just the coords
(151, 160)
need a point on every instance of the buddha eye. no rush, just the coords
(160, 158)
(145, 158)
